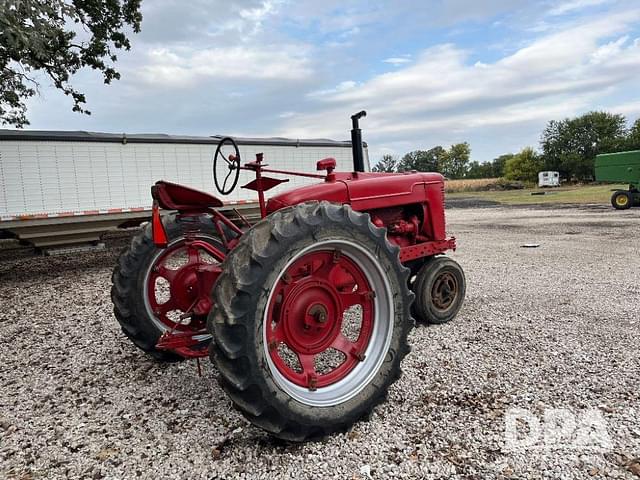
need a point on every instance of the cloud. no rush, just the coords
(573, 5)
(398, 60)
(491, 73)
(168, 21)
(442, 95)
(629, 109)
(187, 67)
(341, 87)
(609, 50)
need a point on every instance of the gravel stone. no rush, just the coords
(548, 327)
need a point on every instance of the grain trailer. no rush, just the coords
(62, 187)
(621, 167)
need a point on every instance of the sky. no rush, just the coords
(428, 73)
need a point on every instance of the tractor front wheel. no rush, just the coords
(311, 318)
(621, 200)
(440, 287)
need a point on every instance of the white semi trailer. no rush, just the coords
(60, 188)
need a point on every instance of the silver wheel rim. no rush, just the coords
(364, 373)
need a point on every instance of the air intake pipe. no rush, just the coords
(356, 142)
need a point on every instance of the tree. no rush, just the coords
(570, 145)
(498, 165)
(456, 160)
(423, 161)
(635, 129)
(492, 169)
(479, 170)
(58, 38)
(632, 141)
(387, 164)
(524, 166)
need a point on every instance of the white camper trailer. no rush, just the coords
(549, 179)
(58, 188)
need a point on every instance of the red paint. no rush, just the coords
(409, 205)
(328, 164)
(189, 286)
(335, 192)
(426, 249)
(157, 228)
(172, 196)
(306, 314)
(264, 183)
(183, 344)
(257, 168)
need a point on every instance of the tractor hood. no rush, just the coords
(363, 191)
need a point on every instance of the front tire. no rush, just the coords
(440, 287)
(291, 351)
(621, 200)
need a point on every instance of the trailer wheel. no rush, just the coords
(311, 318)
(621, 200)
(152, 287)
(440, 287)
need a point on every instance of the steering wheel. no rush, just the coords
(226, 165)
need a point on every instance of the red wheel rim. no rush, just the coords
(306, 314)
(187, 282)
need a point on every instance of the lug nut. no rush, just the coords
(313, 384)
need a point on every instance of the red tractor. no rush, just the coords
(305, 313)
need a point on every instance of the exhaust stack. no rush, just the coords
(356, 142)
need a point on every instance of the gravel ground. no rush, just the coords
(553, 327)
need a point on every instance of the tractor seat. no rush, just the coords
(172, 196)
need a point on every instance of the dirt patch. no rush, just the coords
(469, 202)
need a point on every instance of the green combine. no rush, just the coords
(622, 167)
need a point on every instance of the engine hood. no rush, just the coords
(362, 191)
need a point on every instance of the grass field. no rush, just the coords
(472, 185)
(572, 194)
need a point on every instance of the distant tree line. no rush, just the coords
(568, 146)
(452, 163)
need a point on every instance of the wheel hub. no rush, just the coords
(312, 315)
(445, 290)
(184, 287)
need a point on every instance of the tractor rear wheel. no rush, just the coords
(310, 322)
(440, 287)
(621, 200)
(152, 287)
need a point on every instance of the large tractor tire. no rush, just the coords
(622, 200)
(152, 287)
(440, 287)
(311, 318)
